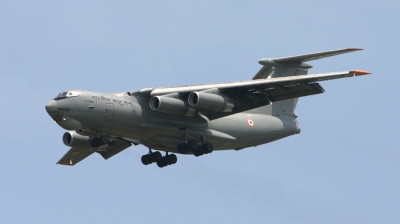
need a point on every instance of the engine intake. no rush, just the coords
(210, 101)
(170, 105)
(72, 139)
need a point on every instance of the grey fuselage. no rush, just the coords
(129, 116)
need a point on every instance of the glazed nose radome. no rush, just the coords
(51, 106)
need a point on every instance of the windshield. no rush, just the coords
(64, 95)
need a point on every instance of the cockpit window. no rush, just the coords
(64, 95)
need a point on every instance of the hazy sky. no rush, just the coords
(342, 168)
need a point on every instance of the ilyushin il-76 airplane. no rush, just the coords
(191, 120)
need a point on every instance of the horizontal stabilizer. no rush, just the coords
(306, 57)
(275, 65)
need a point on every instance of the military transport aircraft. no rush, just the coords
(195, 119)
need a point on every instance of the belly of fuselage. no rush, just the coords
(122, 117)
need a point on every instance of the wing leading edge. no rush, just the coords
(281, 81)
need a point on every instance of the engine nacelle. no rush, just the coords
(210, 101)
(85, 133)
(72, 139)
(171, 105)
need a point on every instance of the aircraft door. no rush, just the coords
(109, 112)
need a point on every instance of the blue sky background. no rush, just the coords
(342, 168)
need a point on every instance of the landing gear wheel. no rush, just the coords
(201, 151)
(144, 160)
(149, 159)
(183, 148)
(193, 145)
(156, 156)
(163, 162)
(207, 148)
(172, 159)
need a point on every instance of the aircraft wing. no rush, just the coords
(251, 94)
(114, 148)
(76, 154)
(260, 83)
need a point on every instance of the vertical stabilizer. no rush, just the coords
(289, 66)
(283, 107)
(286, 106)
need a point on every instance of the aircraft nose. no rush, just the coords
(51, 106)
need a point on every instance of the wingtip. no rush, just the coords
(360, 72)
(64, 164)
(354, 49)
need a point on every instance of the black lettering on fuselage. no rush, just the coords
(102, 98)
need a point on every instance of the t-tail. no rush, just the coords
(291, 66)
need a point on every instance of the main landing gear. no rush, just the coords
(191, 146)
(156, 157)
(194, 147)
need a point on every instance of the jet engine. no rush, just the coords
(85, 133)
(210, 101)
(73, 139)
(170, 105)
